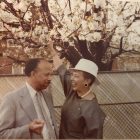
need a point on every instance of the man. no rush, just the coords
(21, 113)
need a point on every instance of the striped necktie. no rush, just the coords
(48, 131)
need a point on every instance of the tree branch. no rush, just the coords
(11, 8)
(74, 31)
(122, 8)
(16, 60)
(47, 14)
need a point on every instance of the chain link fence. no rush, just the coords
(122, 119)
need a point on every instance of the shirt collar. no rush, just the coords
(89, 96)
(31, 90)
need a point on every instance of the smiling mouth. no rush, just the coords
(73, 84)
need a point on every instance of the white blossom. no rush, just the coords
(28, 16)
(81, 37)
(27, 50)
(2, 5)
(83, 6)
(58, 48)
(84, 25)
(38, 3)
(97, 36)
(68, 21)
(10, 1)
(97, 3)
(20, 6)
(91, 25)
(100, 3)
(90, 37)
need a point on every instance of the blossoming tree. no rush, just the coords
(83, 28)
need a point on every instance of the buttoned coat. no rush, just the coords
(80, 118)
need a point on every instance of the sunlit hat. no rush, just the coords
(87, 66)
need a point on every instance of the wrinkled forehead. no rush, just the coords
(45, 65)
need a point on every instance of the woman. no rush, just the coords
(81, 116)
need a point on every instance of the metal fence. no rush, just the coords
(122, 119)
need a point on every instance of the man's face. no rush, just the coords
(43, 74)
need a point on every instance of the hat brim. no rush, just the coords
(97, 82)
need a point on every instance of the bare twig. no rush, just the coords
(26, 11)
(122, 8)
(6, 27)
(74, 31)
(121, 45)
(109, 37)
(85, 10)
(70, 5)
(11, 8)
(57, 20)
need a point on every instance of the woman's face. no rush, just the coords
(78, 80)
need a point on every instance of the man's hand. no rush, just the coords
(36, 126)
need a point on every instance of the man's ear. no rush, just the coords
(33, 73)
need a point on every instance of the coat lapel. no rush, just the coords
(27, 103)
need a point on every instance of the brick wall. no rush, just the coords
(127, 63)
(5, 65)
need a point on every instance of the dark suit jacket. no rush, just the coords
(17, 111)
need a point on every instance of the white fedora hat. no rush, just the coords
(87, 66)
